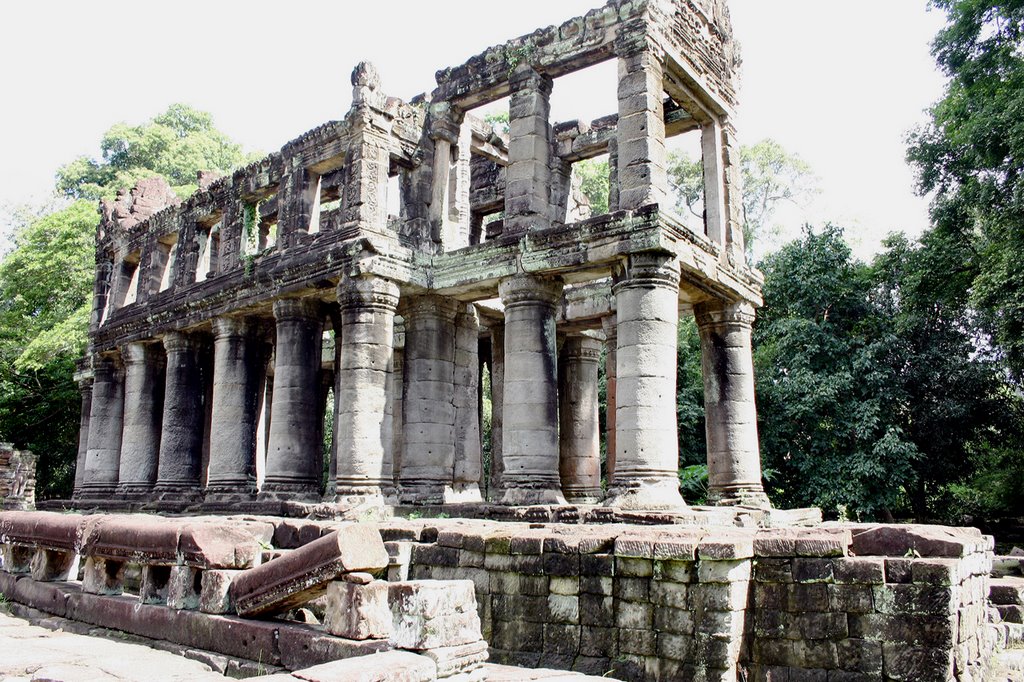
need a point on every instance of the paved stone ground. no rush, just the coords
(32, 653)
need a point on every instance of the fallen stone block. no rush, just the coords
(428, 614)
(925, 541)
(1006, 591)
(302, 647)
(215, 594)
(389, 666)
(453, 660)
(358, 611)
(304, 573)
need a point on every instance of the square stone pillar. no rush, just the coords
(238, 381)
(396, 399)
(468, 455)
(143, 411)
(579, 434)
(179, 471)
(646, 434)
(611, 341)
(428, 404)
(528, 175)
(106, 420)
(640, 135)
(734, 458)
(293, 446)
(85, 388)
(368, 306)
(530, 451)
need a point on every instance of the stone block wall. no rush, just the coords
(17, 478)
(676, 603)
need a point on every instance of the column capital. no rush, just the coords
(646, 270)
(368, 292)
(297, 309)
(138, 352)
(722, 313)
(232, 327)
(583, 348)
(428, 304)
(524, 77)
(520, 289)
(445, 122)
(178, 341)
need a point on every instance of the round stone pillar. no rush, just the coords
(428, 403)
(181, 438)
(85, 388)
(646, 445)
(294, 446)
(238, 379)
(734, 458)
(365, 468)
(530, 454)
(103, 454)
(579, 435)
(143, 410)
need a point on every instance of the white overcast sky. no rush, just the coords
(838, 83)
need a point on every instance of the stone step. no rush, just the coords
(1006, 591)
(1007, 666)
(1013, 635)
(1003, 566)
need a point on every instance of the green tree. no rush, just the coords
(594, 183)
(174, 144)
(970, 157)
(771, 176)
(46, 280)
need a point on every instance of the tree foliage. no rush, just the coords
(174, 144)
(970, 156)
(46, 280)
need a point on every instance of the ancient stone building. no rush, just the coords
(363, 264)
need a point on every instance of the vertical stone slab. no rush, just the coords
(497, 411)
(561, 188)
(579, 433)
(640, 135)
(734, 459)
(368, 331)
(611, 341)
(646, 446)
(181, 437)
(613, 175)
(85, 388)
(366, 168)
(428, 404)
(143, 410)
(735, 241)
(103, 455)
(397, 400)
(528, 175)
(530, 399)
(238, 379)
(468, 456)
(293, 446)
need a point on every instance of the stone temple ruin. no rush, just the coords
(401, 260)
(209, 367)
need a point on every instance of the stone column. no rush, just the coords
(428, 419)
(734, 460)
(611, 341)
(530, 401)
(85, 387)
(143, 410)
(292, 450)
(640, 135)
(528, 188)
(181, 437)
(368, 332)
(579, 434)
(106, 419)
(646, 434)
(238, 379)
(468, 466)
(497, 411)
(397, 401)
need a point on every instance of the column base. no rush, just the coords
(439, 494)
(174, 496)
(645, 494)
(512, 496)
(739, 497)
(583, 495)
(288, 492)
(135, 492)
(228, 493)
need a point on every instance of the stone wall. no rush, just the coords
(846, 603)
(17, 478)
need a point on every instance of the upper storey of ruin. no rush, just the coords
(428, 195)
